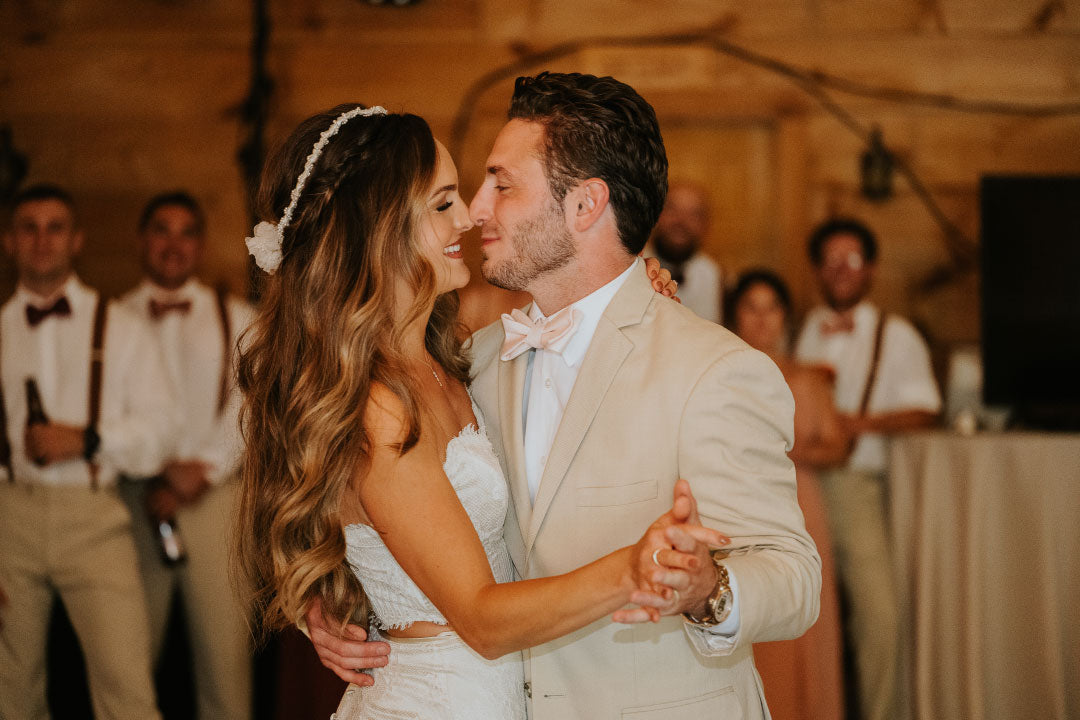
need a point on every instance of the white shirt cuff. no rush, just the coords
(718, 639)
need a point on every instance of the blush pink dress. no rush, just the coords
(803, 678)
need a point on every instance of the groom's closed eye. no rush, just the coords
(501, 179)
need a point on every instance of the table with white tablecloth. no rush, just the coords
(986, 532)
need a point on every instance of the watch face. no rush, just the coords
(722, 607)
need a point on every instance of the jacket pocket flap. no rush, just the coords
(617, 494)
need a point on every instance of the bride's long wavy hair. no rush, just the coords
(325, 333)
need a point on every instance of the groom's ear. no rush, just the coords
(588, 202)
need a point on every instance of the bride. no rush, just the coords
(363, 444)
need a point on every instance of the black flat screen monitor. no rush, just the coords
(1031, 293)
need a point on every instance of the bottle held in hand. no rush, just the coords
(161, 504)
(35, 411)
(172, 543)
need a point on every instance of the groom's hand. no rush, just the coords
(695, 583)
(345, 655)
(686, 567)
(657, 599)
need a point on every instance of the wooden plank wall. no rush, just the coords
(118, 100)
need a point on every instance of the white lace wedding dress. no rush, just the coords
(438, 678)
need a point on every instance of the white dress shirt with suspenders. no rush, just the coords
(882, 365)
(63, 529)
(197, 328)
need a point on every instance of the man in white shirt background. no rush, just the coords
(884, 385)
(676, 243)
(197, 328)
(63, 528)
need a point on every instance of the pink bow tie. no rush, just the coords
(838, 323)
(551, 333)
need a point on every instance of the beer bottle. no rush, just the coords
(172, 544)
(35, 411)
(170, 541)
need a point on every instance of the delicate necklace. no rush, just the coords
(434, 374)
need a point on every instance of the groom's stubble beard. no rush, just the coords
(541, 245)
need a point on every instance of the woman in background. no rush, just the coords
(803, 678)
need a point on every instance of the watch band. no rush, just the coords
(91, 443)
(718, 604)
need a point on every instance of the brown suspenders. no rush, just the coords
(875, 360)
(226, 357)
(97, 358)
(5, 444)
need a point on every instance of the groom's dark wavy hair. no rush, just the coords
(599, 127)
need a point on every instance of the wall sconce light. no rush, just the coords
(877, 169)
(13, 165)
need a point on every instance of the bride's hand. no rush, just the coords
(671, 558)
(661, 279)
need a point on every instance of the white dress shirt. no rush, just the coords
(905, 378)
(136, 422)
(192, 345)
(549, 380)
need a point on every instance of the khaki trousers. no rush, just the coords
(78, 543)
(216, 623)
(855, 503)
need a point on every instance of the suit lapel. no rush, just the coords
(511, 389)
(608, 349)
(606, 353)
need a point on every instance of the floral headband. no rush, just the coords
(265, 246)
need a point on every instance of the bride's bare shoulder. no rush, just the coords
(386, 419)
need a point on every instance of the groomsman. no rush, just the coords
(884, 385)
(676, 242)
(100, 406)
(197, 328)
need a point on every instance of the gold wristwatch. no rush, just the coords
(718, 606)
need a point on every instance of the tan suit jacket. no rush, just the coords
(661, 394)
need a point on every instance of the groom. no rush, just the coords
(596, 419)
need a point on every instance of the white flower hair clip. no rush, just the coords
(265, 245)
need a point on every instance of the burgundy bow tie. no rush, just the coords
(159, 310)
(60, 308)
